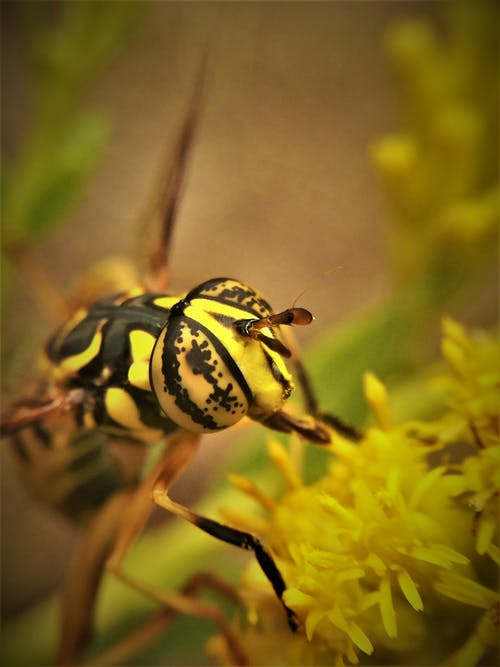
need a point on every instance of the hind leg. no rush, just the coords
(83, 580)
(158, 622)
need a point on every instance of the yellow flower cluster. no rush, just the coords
(473, 386)
(474, 417)
(379, 554)
(440, 173)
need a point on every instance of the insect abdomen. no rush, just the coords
(72, 472)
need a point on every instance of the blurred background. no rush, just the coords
(280, 192)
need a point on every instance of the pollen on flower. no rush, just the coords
(279, 456)
(409, 590)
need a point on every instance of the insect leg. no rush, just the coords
(170, 467)
(138, 639)
(238, 538)
(29, 412)
(121, 652)
(309, 397)
(347, 430)
(83, 579)
(311, 428)
(177, 457)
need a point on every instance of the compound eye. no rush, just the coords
(195, 380)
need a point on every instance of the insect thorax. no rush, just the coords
(106, 350)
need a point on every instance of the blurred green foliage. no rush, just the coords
(68, 43)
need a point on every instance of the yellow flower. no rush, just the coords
(473, 388)
(440, 172)
(377, 555)
(473, 385)
(478, 484)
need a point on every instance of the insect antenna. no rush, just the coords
(288, 317)
(315, 281)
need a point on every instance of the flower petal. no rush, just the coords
(410, 591)
(486, 530)
(312, 620)
(387, 608)
(359, 638)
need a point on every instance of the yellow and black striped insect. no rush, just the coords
(143, 366)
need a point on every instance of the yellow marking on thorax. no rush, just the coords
(122, 408)
(138, 375)
(72, 365)
(167, 302)
(141, 348)
(141, 345)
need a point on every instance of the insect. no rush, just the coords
(142, 366)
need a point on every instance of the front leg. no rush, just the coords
(308, 427)
(311, 403)
(314, 428)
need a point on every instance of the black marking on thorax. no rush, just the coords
(116, 320)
